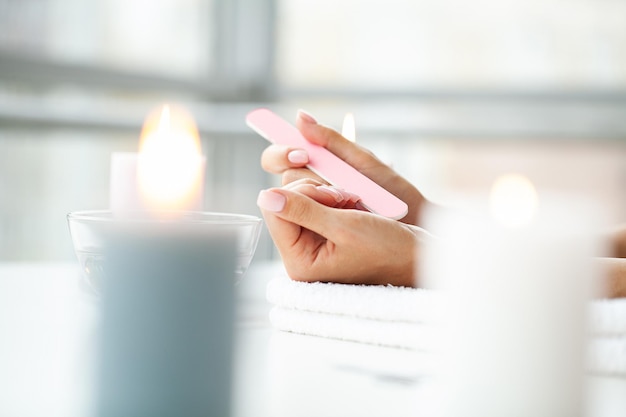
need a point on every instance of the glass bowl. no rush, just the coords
(90, 231)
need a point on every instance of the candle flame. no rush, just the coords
(348, 130)
(514, 201)
(170, 167)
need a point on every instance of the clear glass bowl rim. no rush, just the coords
(196, 217)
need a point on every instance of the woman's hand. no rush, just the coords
(291, 163)
(321, 237)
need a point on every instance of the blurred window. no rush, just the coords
(452, 44)
(169, 37)
(78, 77)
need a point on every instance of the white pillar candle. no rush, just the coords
(124, 190)
(518, 276)
(123, 187)
(168, 172)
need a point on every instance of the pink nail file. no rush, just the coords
(327, 165)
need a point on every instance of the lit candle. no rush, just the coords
(519, 274)
(165, 274)
(164, 181)
(348, 129)
(168, 172)
(167, 300)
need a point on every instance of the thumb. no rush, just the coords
(281, 205)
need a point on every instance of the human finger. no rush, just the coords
(363, 160)
(326, 194)
(332, 140)
(276, 159)
(296, 209)
(329, 196)
(302, 181)
(296, 174)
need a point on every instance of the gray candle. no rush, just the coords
(167, 323)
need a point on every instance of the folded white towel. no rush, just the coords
(389, 303)
(409, 318)
(398, 334)
(608, 317)
(607, 355)
(377, 302)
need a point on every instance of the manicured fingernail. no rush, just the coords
(298, 156)
(348, 196)
(354, 198)
(306, 117)
(271, 201)
(331, 191)
(360, 206)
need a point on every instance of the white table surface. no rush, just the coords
(47, 324)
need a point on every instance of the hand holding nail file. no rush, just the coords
(327, 165)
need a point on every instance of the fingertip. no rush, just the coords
(298, 156)
(305, 117)
(271, 201)
(319, 134)
(333, 192)
(351, 197)
(277, 159)
(296, 209)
